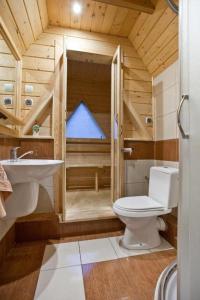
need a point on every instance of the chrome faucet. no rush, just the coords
(13, 153)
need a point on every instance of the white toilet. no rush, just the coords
(141, 213)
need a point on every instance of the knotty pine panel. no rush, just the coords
(155, 38)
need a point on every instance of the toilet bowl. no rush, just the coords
(141, 214)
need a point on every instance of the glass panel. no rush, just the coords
(82, 124)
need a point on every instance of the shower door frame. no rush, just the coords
(117, 138)
(189, 206)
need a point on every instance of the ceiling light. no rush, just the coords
(77, 8)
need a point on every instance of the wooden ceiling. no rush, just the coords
(96, 17)
(25, 20)
(153, 34)
(155, 37)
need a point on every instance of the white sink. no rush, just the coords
(28, 170)
(25, 176)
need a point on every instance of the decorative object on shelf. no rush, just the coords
(36, 129)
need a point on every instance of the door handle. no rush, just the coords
(183, 134)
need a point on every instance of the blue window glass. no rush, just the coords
(82, 124)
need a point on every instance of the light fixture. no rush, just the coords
(77, 8)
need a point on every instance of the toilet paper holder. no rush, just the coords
(128, 150)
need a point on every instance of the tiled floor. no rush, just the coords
(61, 271)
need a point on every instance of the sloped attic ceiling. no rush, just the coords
(25, 20)
(96, 17)
(154, 35)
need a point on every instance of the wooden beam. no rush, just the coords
(9, 41)
(8, 131)
(139, 5)
(12, 119)
(36, 112)
(136, 118)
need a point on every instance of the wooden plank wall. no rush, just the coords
(38, 71)
(155, 37)
(137, 81)
(25, 20)
(7, 74)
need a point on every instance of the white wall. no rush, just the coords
(165, 103)
(136, 177)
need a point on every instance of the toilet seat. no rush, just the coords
(139, 206)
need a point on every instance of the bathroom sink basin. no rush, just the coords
(26, 176)
(26, 170)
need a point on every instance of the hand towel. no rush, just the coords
(5, 190)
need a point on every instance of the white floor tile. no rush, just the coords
(96, 250)
(164, 246)
(61, 255)
(60, 284)
(122, 252)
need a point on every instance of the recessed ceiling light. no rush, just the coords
(77, 8)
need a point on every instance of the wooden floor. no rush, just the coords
(88, 205)
(132, 278)
(19, 273)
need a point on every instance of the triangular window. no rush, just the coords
(82, 124)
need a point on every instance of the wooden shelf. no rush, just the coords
(138, 140)
(88, 141)
(87, 165)
(40, 137)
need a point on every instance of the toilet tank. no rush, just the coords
(164, 186)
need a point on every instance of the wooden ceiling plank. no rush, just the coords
(149, 23)
(157, 31)
(139, 5)
(34, 17)
(119, 20)
(163, 56)
(21, 18)
(75, 19)
(98, 17)
(42, 5)
(128, 23)
(138, 24)
(11, 26)
(86, 20)
(8, 40)
(95, 16)
(110, 14)
(52, 8)
(161, 42)
(166, 64)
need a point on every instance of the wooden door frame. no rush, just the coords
(63, 124)
(118, 56)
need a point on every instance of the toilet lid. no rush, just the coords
(139, 203)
